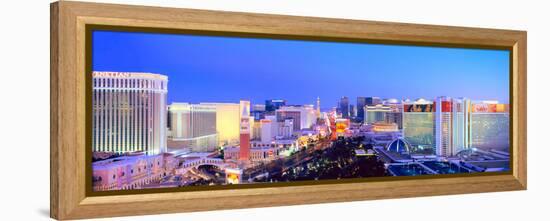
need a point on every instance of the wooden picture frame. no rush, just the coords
(69, 198)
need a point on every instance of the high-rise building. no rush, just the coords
(302, 116)
(396, 112)
(256, 132)
(129, 112)
(352, 111)
(452, 125)
(461, 124)
(490, 126)
(376, 113)
(193, 127)
(227, 122)
(344, 106)
(311, 117)
(244, 145)
(267, 134)
(444, 126)
(274, 104)
(293, 114)
(418, 125)
(285, 129)
(361, 103)
(258, 112)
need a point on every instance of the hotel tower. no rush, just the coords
(129, 112)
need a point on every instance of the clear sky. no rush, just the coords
(228, 69)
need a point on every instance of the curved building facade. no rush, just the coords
(129, 112)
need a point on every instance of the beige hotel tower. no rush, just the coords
(129, 112)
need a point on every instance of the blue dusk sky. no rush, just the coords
(228, 69)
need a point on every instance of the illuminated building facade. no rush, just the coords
(129, 112)
(130, 172)
(262, 151)
(461, 124)
(376, 113)
(418, 126)
(193, 126)
(285, 129)
(342, 125)
(233, 175)
(443, 127)
(490, 126)
(256, 130)
(267, 133)
(227, 122)
(395, 115)
(302, 116)
(384, 127)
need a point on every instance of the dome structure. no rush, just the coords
(399, 145)
(392, 101)
(422, 101)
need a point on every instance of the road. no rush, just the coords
(281, 165)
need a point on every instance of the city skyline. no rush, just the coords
(216, 68)
(178, 110)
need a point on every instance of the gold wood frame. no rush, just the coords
(69, 86)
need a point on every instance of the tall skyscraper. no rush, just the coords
(361, 102)
(452, 125)
(443, 127)
(461, 124)
(244, 151)
(129, 112)
(344, 106)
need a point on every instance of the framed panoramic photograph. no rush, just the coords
(159, 110)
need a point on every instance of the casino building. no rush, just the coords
(193, 126)
(376, 113)
(418, 125)
(490, 126)
(129, 112)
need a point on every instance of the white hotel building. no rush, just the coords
(129, 112)
(193, 126)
